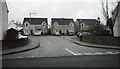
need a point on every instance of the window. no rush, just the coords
(44, 24)
(26, 25)
(82, 24)
(71, 24)
(55, 24)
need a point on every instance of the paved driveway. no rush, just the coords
(54, 46)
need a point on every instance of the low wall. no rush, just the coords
(6, 44)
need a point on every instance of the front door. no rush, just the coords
(60, 31)
(31, 32)
(67, 32)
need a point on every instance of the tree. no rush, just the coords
(107, 11)
(110, 24)
(107, 7)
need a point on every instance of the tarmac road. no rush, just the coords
(69, 61)
(55, 46)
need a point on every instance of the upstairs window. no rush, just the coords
(71, 24)
(82, 25)
(44, 24)
(26, 24)
(55, 24)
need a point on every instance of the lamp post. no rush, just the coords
(30, 16)
(30, 19)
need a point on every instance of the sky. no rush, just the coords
(76, 9)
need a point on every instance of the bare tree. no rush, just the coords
(107, 9)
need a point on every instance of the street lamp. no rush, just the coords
(32, 13)
(30, 18)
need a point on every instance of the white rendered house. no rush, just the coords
(3, 19)
(31, 25)
(116, 20)
(63, 26)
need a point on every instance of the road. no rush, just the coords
(55, 46)
(56, 51)
(70, 61)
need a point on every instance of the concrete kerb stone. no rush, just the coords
(20, 51)
(95, 46)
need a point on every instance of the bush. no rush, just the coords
(105, 32)
(102, 33)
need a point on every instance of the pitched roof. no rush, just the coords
(62, 21)
(11, 29)
(35, 21)
(88, 21)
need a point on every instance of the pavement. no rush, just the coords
(77, 41)
(33, 44)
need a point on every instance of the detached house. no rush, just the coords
(32, 25)
(116, 20)
(3, 19)
(86, 25)
(63, 26)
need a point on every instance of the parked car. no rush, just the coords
(71, 33)
(37, 33)
(86, 33)
(78, 34)
(57, 34)
(20, 36)
(83, 34)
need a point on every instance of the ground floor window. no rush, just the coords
(26, 31)
(44, 31)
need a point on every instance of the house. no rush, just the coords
(12, 34)
(116, 20)
(3, 19)
(86, 25)
(32, 25)
(63, 26)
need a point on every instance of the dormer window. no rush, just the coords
(82, 25)
(44, 24)
(56, 25)
(71, 24)
(26, 24)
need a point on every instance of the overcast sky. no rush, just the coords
(18, 9)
